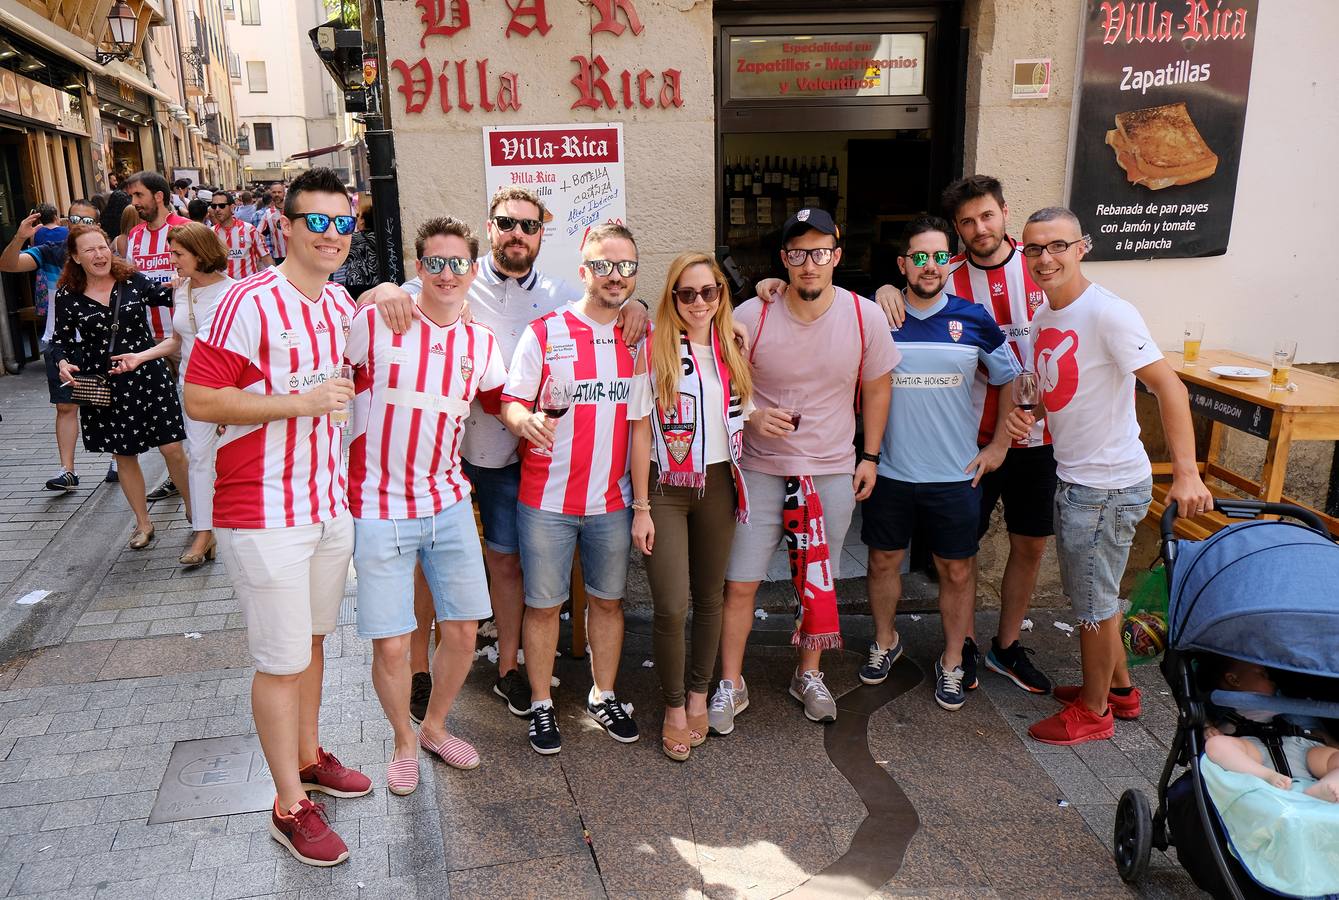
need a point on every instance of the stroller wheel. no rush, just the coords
(1134, 836)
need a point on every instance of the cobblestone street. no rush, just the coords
(101, 680)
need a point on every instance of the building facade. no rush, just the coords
(906, 96)
(291, 109)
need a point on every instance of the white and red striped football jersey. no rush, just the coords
(1012, 297)
(245, 248)
(414, 394)
(588, 472)
(147, 251)
(272, 231)
(268, 338)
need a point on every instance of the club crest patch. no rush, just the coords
(466, 368)
(955, 329)
(680, 427)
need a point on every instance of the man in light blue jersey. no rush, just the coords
(930, 467)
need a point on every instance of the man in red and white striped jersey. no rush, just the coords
(268, 370)
(991, 272)
(270, 226)
(408, 496)
(247, 253)
(146, 243)
(575, 488)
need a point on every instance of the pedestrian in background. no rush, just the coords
(201, 263)
(100, 311)
(49, 231)
(362, 270)
(691, 396)
(129, 219)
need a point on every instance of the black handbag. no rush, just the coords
(96, 390)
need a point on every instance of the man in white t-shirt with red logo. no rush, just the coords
(247, 254)
(146, 243)
(575, 487)
(408, 495)
(268, 370)
(1089, 346)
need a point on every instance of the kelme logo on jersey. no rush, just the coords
(996, 288)
(438, 349)
(955, 329)
(466, 368)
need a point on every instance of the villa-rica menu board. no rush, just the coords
(1161, 110)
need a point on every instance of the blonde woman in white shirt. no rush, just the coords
(201, 261)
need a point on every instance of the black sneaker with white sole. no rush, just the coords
(1012, 662)
(544, 736)
(65, 481)
(969, 655)
(615, 719)
(420, 692)
(514, 688)
(162, 492)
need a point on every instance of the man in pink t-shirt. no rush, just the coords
(825, 343)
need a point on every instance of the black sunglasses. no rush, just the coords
(220, 206)
(507, 223)
(688, 297)
(458, 265)
(602, 267)
(921, 257)
(318, 223)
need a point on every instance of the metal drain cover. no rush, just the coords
(213, 777)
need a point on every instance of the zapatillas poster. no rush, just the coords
(1160, 113)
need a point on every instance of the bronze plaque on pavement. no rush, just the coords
(213, 777)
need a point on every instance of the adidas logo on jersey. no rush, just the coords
(321, 327)
(438, 349)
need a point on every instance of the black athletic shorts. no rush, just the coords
(1026, 482)
(947, 510)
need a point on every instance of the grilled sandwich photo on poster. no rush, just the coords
(1159, 117)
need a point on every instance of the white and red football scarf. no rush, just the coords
(681, 433)
(816, 624)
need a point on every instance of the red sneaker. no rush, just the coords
(329, 776)
(1075, 724)
(307, 835)
(1127, 707)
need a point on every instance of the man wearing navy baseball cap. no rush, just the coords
(812, 349)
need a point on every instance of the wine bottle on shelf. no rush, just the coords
(834, 182)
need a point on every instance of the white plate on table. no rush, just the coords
(1239, 373)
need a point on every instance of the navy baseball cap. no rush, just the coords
(811, 217)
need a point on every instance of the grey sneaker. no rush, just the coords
(809, 689)
(726, 703)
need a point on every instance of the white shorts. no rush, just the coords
(755, 543)
(289, 583)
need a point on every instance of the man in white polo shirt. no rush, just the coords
(268, 371)
(409, 499)
(507, 296)
(1088, 347)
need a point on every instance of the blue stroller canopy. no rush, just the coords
(1263, 591)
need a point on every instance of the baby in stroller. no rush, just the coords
(1248, 755)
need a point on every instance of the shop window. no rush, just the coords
(250, 11)
(255, 76)
(264, 132)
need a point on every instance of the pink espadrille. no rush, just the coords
(402, 776)
(453, 751)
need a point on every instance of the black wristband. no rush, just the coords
(869, 457)
(643, 303)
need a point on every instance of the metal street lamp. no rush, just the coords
(211, 105)
(121, 24)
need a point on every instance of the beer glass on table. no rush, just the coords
(1284, 352)
(1190, 342)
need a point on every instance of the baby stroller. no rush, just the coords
(1262, 591)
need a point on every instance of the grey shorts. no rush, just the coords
(1093, 532)
(756, 542)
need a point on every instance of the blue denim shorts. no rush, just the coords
(548, 542)
(384, 554)
(1093, 532)
(496, 490)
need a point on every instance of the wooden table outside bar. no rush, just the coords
(1310, 413)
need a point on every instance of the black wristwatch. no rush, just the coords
(869, 457)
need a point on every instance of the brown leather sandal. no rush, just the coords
(673, 738)
(697, 728)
